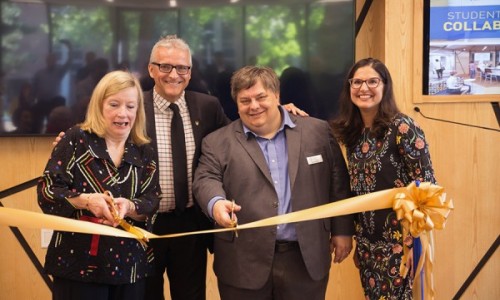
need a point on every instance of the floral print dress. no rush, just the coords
(396, 160)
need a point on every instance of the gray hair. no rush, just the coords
(170, 42)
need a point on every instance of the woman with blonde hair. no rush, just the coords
(107, 155)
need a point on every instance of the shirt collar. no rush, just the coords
(131, 155)
(286, 121)
(162, 104)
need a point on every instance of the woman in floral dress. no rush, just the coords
(385, 149)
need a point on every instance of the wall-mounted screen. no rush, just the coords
(461, 47)
(53, 52)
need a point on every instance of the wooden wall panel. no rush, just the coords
(466, 161)
(21, 159)
(370, 39)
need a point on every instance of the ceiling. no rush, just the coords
(174, 3)
(473, 45)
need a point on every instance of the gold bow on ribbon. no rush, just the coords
(421, 209)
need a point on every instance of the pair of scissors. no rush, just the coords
(233, 219)
(141, 237)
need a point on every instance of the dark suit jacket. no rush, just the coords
(233, 165)
(206, 115)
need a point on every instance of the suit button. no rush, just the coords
(275, 204)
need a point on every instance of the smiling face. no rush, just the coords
(365, 98)
(119, 112)
(258, 109)
(170, 85)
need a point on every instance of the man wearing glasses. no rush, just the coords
(183, 258)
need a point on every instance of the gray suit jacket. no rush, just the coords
(232, 165)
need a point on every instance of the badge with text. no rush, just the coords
(315, 159)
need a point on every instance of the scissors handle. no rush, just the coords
(124, 224)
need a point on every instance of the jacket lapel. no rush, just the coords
(252, 148)
(293, 140)
(194, 116)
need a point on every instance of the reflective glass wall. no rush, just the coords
(52, 54)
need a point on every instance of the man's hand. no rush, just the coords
(58, 138)
(341, 246)
(223, 213)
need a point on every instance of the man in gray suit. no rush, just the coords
(271, 163)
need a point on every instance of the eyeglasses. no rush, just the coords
(372, 83)
(167, 68)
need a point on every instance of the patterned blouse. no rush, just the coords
(80, 163)
(397, 159)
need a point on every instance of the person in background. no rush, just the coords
(26, 98)
(472, 69)
(438, 67)
(107, 155)
(84, 88)
(385, 149)
(456, 86)
(24, 120)
(482, 67)
(197, 82)
(296, 84)
(215, 69)
(60, 119)
(271, 163)
(184, 259)
(84, 71)
(47, 84)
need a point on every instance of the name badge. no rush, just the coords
(311, 160)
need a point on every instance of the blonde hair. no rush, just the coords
(109, 85)
(170, 42)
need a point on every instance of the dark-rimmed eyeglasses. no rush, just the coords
(372, 83)
(167, 68)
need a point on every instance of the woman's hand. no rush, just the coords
(341, 246)
(291, 108)
(97, 204)
(126, 208)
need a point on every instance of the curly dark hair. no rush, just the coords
(348, 125)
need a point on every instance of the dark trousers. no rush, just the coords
(289, 280)
(65, 289)
(439, 73)
(183, 258)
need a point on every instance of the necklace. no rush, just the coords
(116, 179)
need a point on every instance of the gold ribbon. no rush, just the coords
(420, 209)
